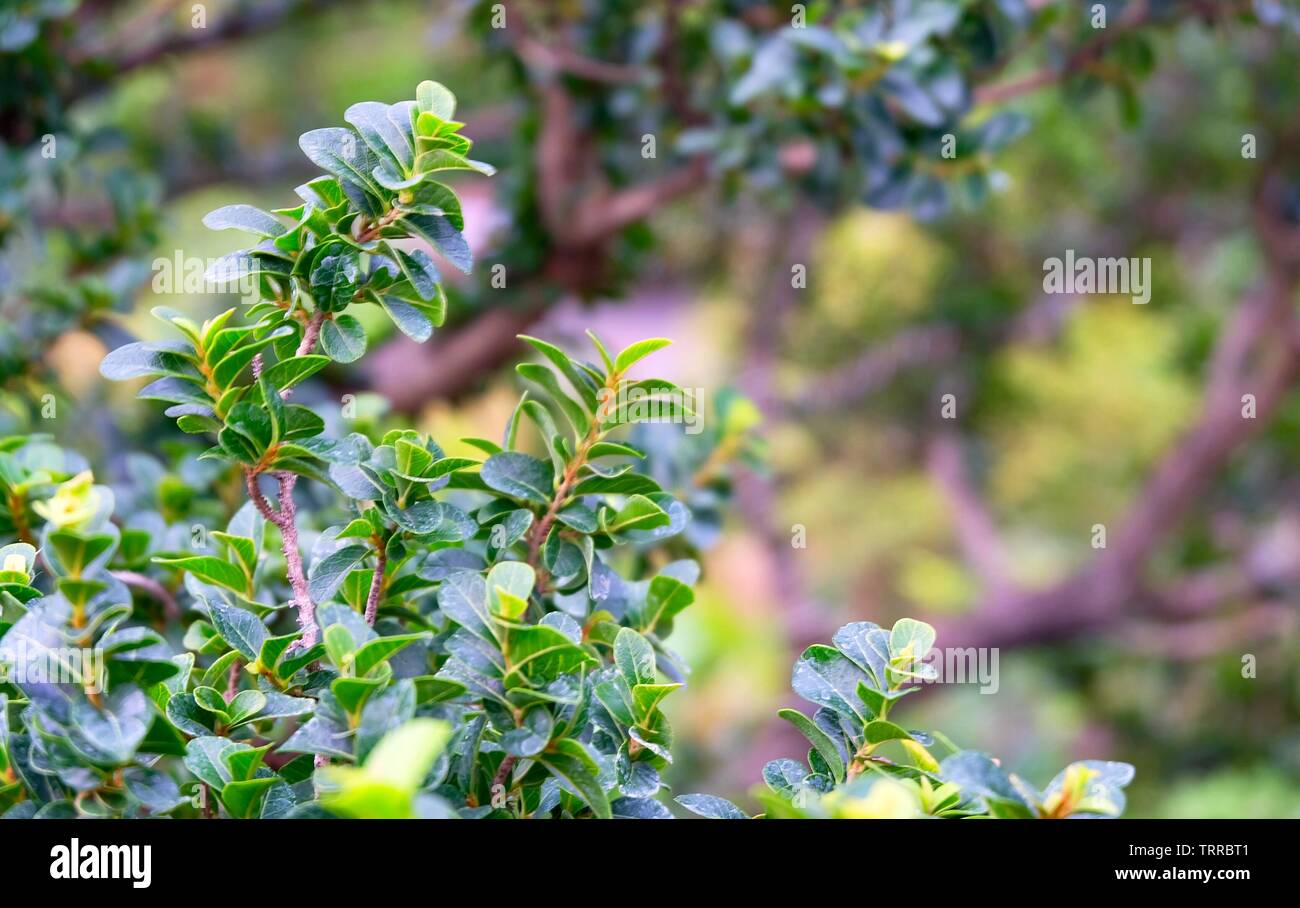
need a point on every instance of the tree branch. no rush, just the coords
(877, 367)
(155, 589)
(977, 532)
(1135, 16)
(450, 364)
(1099, 593)
(605, 214)
(252, 19)
(552, 59)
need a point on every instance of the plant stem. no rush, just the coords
(567, 482)
(503, 772)
(16, 507)
(232, 681)
(379, 224)
(286, 518)
(376, 585)
(310, 333)
(155, 589)
(293, 560)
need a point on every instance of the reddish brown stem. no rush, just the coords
(153, 588)
(293, 560)
(376, 586)
(286, 518)
(232, 681)
(259, 500)
(543, 526)
(503, 772)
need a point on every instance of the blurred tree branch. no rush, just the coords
(1258, 353)
(1134, 17)
(251, 19)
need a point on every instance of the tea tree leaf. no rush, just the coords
(823, 744)
(711, 807)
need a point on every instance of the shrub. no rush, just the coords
(467, 636)
(863, 765)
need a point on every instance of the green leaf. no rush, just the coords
(343, 339)
(611, 448)
(634, 657)
(138, 360)
(616, 697)
(627, 484)
(412, 322)
(711, 807)
(648, 698)
(242, 761)
(246, 218)
(211, 700)
(665, 598)
(825, 676)
(76, 552)
(339, 153)
(532, 735)
(243, 799)
(581, 382)
(229, 366)
(512, 580)
(435, 98)
(979, 777)
(287, 373)
(245, 706)
(600, 348)
(910, 636)
(239, 628)
(339, 644)
(463, 597)
(327, 574)
(380, 132)
(381, 649)
(185, 714)
(210, 569)
(538, 654)
(819, 739)
(203, 757)
(352, 693)
(442, 235)
(639, 512)
(577, 771)
(273, 648)
(518, 475)
(385, 786)
(334, 280)
(638, 351)
(882, 730)
(243, 548)
(573, 411)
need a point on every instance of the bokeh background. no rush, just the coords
(1071, 411)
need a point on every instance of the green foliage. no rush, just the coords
(475, 637)
(863, 765)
